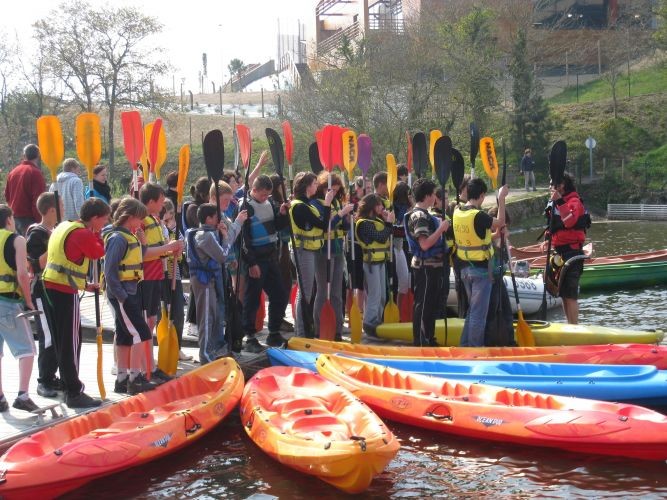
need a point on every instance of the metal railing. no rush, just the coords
(620, 211)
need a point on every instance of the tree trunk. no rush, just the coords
(110, 135)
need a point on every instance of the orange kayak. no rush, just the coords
(604, 354)
(305, 422)
(498, 414)
(125, 434)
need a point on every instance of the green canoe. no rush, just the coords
(628, 275)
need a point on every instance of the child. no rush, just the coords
(205, 257)
(123, 270)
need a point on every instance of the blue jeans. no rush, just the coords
(478, 286)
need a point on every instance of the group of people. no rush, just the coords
(237, 242)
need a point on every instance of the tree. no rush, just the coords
(102, 57)
(530, 117)
(660, 35)
(236, 68)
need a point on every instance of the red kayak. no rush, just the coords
(498, 414)
(534, 254)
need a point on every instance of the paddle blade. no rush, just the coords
(325, 144)
(245, 144)
(276, 148)
(237, 153)
(458, 169)
(524, 335)
(183, 169)
(503, 178)
(173, 350)
(88, 141)
(419, 153)
(161, 151)
(50, 142)
(327, 322)
(392, 176)
(355, 322)
(433, 139)
(261, 313)
(557, 161)
(133, 136)
(154, 145)
(289, 142)
(391, 312)
(365, 148)
(443, 159)
(163, 341)
(350, 151)
(337, 147)
(409, 154)
(474, 142)
(406, 305)
(489, 160)
(314, 157)
(214, 154)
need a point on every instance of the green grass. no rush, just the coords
(650, 80)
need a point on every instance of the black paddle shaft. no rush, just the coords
(419, 154)
(443, 156)
(214, 158)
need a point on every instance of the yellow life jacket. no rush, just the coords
(131, 267)
(337, 232)
(385, 202)
(8, 280)
(375, 251)
(154, 234)
(469, 246)
(311, 239)
(59, 269)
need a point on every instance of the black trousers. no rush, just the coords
(47, 362)
(66, 314)
(271, 282)
(429, 289)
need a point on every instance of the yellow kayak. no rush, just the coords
(545, 332)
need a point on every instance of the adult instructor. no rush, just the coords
(25, 183)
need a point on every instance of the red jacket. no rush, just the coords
(25, 183)
(570, 208)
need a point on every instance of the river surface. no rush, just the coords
(226, 464)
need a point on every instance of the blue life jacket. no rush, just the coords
(204, 272)
(415, 249)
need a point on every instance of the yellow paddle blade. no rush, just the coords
(392, 176)
(173, 350)
(183, 169)
(50, 142)
(488, 154)
(524, 335)
(433, 138)
(100, 379)
(88, 141)
(161, 152)
(391, 312)
(350, 152)
(163, 341)
(355, 322)
(145, 164)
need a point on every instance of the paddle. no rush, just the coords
(489, 160)
(276, 148)
(237, 153)
(158, 143)
(89, 150)
(524, 334)
(474, 148)
(51, 149)
(314, 157)
(214, 159)
(443, 155)
(458, 172)
(419, 153)
(365, 152)
(557, 162)
(409, 157)
(289, 152)
(433, 138)
(391, 311)
(133, 140)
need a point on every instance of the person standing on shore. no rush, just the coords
(528, 169)
(70, 187)
(25, 183)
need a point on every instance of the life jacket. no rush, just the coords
(205, 272)
(415, 249)
(583, 222)
(34, 263)
(59, 269)
(376, 251)
(337, 231)
(154, 234)
(8, 280)
(469, 246)
(308, 239)
(131, 266)
(449, 235)
(262, 223)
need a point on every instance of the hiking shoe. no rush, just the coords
(286, 326)
(370, 331)
(252, 345)
(275, 340)
(82, 400)
(139, 385)
(120, 386)
(158, 377)
(4, 405)
(45, 391)
(25, 404)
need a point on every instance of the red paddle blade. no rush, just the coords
(327, 322)
(292, 298)
(154, 144)
(133, 136)
(289, 141)
(245, 143)
(337, 147)
(409, 162)
(406, 304)
(324, 146)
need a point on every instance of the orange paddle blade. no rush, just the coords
(245, 143)
(183, 169)
(327, 322)
(524, 335)
(133, 136)
(161, 148)
(488, 154)
(433, 138)
(88, 141)
(350, 153)
(289, 142)
(409, 139)
(392, 176)
(100, 368)
(154, 144)
(51, 144)
(405, 306)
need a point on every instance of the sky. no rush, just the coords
(224, 29)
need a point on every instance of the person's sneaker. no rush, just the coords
(275, 340)
(25, 404)
(114, 370)
(45, 391)
(139, 385)
(252, 345)
(82, 400)
(159, 377)
(286, 326)
(4, 405)
(120, 386)
(184, 357)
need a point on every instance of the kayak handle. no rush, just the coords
(361, 440)
(440, 416)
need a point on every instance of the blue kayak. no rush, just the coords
(638, 384)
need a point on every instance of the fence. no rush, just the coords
(619, 211)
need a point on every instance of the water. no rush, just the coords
(226, 464)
